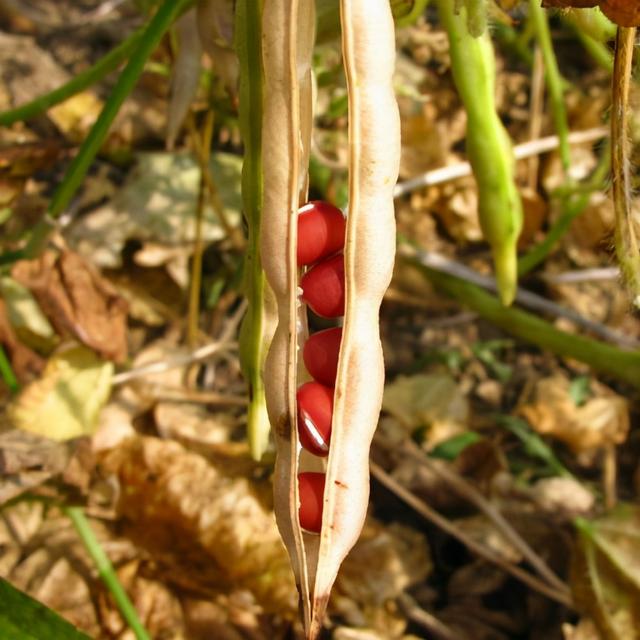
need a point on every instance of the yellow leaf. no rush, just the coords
(65, 402)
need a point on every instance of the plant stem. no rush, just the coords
(202, 146)
(554, 79)
(6, 370)
(618, 363)
(78, 83)
(106, 571)
(254, 333)
(599, 52)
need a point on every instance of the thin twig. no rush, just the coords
(521, 151)
(609, 476)
(175, 362)
(225, 343)
(467, 491)
(525, 298)
(576, 276)
(173, 394)
(535, 114)
(480, 550)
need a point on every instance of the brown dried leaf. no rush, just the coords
(385, 561)
(27, 461)
(563, 4)
(625, 13)
(184, 508)
(601, 421)
(77, 300)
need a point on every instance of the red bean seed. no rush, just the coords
(311, 488)
(320, 355)
(321, 231)
(315, 410)
(323, 287)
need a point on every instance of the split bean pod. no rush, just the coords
(324, 391)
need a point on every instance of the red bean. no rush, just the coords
(321, 231)
(323, 287)
(315, 410)
(320, 355)
(311, 488)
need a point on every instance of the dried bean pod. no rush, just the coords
(374, 147)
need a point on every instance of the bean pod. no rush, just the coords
(318, 539)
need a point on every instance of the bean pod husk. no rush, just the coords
(374, 149)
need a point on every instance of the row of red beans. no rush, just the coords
(321, 237)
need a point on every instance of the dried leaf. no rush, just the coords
(578, 4)
(605, 574)
(600, 421)
(215, 25)
(385, 562)
(181, 506)
(625, 13)
(78, 301)
(433, 402)
(158, 203)
(65, 402)
(28, 460)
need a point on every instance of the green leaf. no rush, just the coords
(23, 618)
(579, 390)
(450, 449)
(534, 445)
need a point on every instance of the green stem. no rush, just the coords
(254, 333)
(618, 363)
(553, 78)
(6, 371)
(78, 83)
(599, 52)
(106, 571)
(573, 205)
